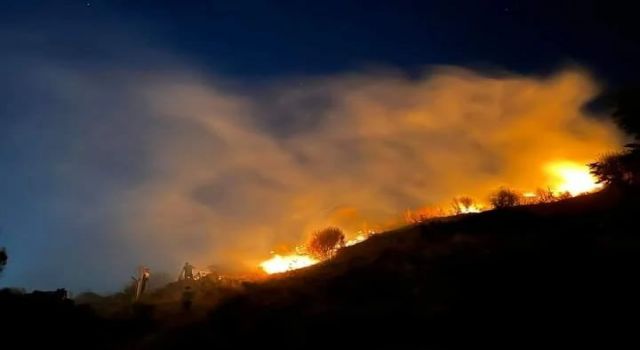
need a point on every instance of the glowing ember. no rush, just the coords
(573, 178)
(279, 263)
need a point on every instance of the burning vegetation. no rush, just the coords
(279, 263)
(570, 179)
(322, 245)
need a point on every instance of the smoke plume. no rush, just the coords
(230, 175)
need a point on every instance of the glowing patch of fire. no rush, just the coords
(470, 209)
(573, 178)
(279, 263)
(357, 239)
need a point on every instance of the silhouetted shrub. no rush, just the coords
(505, 198)
(621, 168)
(325, 243)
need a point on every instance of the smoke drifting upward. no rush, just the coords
(233, 176)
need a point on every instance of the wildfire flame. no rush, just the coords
(357, 239)
(471, 209)
(279, 263)
(572, 177)
(283, 263)
(566, 176)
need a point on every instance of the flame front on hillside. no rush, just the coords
(357, 239)
(279, 263)
(569, 178)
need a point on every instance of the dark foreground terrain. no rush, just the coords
(546, 275)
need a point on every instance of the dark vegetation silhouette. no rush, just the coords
(505, 198)
(619, 169)
(51, 319)
(3, 259)
(324, 243)
(622, 169)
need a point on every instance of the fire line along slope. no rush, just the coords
(521, 272)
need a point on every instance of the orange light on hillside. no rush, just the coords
(572, 177)
(280, 263)
(357, 239)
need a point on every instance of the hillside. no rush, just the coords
(558, 273)
(565, 271)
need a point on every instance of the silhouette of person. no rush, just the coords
(187, 270)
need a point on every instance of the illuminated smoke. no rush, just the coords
(234, 175)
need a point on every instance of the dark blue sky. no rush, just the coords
(271, 38)
(52, 47)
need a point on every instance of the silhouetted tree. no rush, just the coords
(325, 243)
(623, 168)
(3, 258)
(619, 169)
(505, 198)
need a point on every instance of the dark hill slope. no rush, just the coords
(547, 274)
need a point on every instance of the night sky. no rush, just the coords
(66, 67)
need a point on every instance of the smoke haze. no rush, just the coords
(165, 167)
(353, 151)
